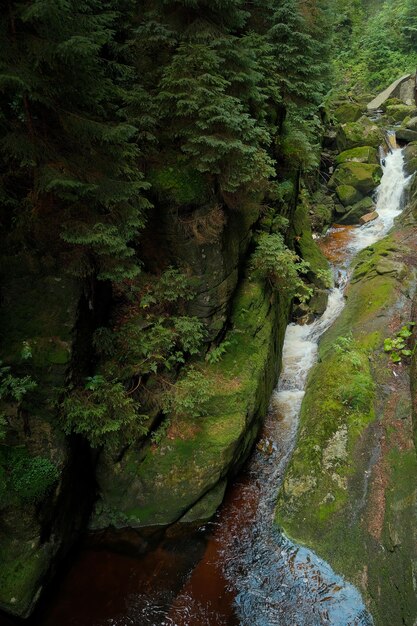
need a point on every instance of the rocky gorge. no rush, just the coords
(349, 491)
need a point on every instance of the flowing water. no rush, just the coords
(246, 572)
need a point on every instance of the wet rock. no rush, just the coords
(369, 217)
(357, 211)
(404, 134)
(410, 158)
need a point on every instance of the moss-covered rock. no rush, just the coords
(397, 112)
(307, 248)
(364, 177)
(357, 211)
(360, 133)
(183, 473)
(391, 102)
(410, 158)
(411, 124)
(348, 112)
(363, 154)
(405, 134)
(349, 492)
(348, 195)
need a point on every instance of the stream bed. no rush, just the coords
(238, 569)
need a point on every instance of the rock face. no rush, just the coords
(40, 513)
(350, 491)
(183, 478)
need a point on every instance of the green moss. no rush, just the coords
(398, 112)
(21, 572)
(348, 112)
(363, 154)
(306, 246)
(179, 183)
(362, 176)
(360, 133)
(348, 195)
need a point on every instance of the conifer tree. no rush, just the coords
(68, 151)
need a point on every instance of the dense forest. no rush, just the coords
(166, 167)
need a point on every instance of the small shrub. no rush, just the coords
(275, 262)
(189, 396)
(14, 387)
(32, 477)
(102, 412)
(215, 354)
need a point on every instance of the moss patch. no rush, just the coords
(363, 154)
(364, 177)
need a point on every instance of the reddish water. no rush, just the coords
(336, 243)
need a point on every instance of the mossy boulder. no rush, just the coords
(183, 477)
(405, 134)
(349, 492)
(306, 247)
(360, 133)
(410, 158)
(348, 112)
(364, 177)
(348, 195)
(363, 154)
(391, 102)
(411, 124)
(398, 112)
(361, 208)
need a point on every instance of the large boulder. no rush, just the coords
(364, 177)
(405, 134)
(410, 158)
(348, 112)
(411, 124)
(398, 112)
(348, 195)
(363, 154)
(360, 133)
(361, 208)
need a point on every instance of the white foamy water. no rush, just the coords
(301, 342)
